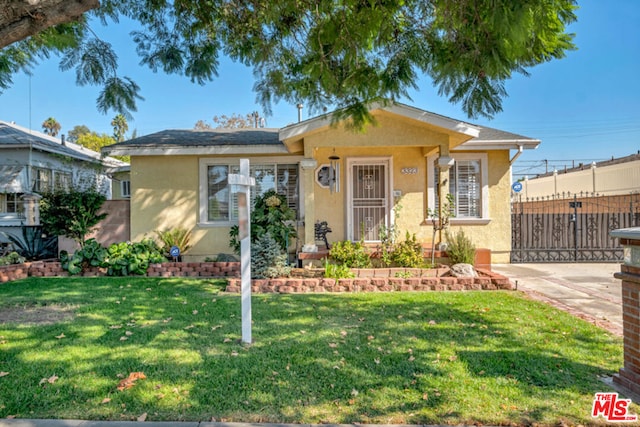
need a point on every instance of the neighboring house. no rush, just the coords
(32, 162)
(386, 175)
(121, 183)
(607, 178)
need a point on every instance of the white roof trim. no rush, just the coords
(417, 114)
(507, 144)
(196, 150)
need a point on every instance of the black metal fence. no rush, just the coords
(573, 228)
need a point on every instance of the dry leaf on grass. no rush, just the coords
(60, 336)
(3, 374)
(142, 417)
(130, 381)
(52, 379)
(105, 400)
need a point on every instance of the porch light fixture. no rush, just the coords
(334, 173)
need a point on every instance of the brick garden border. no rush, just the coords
(380, 280)
(366, 280)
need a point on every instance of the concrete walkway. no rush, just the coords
(588, 291)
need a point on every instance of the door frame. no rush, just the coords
(387, 162)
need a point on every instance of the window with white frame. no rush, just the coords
(220, 205)
(62, 180)
(468, 183)
(125, 188)
(41, 179)
(11, 203)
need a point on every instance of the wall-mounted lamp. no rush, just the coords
(334, 173)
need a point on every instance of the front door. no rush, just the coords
(368, 198)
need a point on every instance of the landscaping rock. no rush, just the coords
(463, 270)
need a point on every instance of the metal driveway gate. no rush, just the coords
(572, 229)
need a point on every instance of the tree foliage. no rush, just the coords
(94, 141)
(77, 132)
(120, 127)
(345, 54)
(51, 126)
(72, 214)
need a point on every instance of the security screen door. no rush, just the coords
(368, 199)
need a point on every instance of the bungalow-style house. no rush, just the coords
(32, 162)
(356, 182)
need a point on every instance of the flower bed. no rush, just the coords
(379, 280)
(165, 269)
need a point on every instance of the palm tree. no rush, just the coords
(120, 127)
(51, 126)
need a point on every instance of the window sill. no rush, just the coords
(461, 221)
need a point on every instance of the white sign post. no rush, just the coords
(242, 183)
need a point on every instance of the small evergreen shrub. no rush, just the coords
(267, 259)
(351, 254)
(461, 249)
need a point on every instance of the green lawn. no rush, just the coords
(485, 357)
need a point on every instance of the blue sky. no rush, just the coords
(584, 107)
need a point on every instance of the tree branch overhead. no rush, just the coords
(24, 18)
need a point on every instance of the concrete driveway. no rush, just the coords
(586, 290)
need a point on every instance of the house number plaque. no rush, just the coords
(409, 171)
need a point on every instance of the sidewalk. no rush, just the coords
(588, 291)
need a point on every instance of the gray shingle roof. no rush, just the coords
(200, 138)
(12, 135)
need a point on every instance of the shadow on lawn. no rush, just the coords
(316, 358)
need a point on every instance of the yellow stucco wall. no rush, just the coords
(165, 188)
(496, 235)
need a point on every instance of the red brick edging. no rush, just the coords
(165, 269)
(366, 280)
(487, 281)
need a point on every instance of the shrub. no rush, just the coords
(461, 249)
(12, 258)
(92, 254)
(128, 258)
(408, 253)
(120, 259)
(351, 254)
(337, 271)
(267, 259)
(72, 214)
(179, 237)
(270, 214)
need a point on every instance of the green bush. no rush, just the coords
(71, 213)
(408, 253)
(12, 258)
(351, 254)
(337, 271)
(267, 259)
(270, 214)
(460, 248)
(128, 258)
(120, 259)
(92, 254)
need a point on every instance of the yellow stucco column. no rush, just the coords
(444, 164)
(308, 166)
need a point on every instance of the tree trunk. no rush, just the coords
(20, 19)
